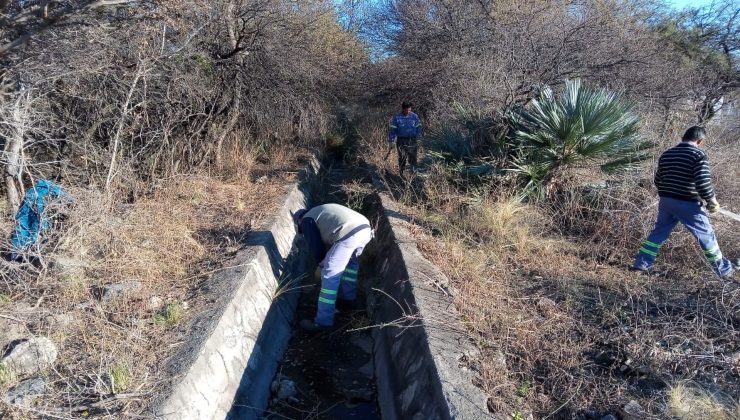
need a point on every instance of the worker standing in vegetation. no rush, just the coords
(345, 233)
(404, 131)
(683, 181)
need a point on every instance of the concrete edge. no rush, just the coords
(224, 340)
(423, 358)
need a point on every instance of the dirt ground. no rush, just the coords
(332, 372)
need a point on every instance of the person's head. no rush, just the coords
(406, 108)
(695, 134)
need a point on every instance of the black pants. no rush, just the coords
(408, 149)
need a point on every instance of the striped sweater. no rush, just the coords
(683, 174)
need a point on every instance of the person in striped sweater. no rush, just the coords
(683, 181)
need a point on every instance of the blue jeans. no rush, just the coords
(692, 215)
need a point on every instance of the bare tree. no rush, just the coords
(22, 21)
(496, 54)
(190, 79)
(15, 120)
(708, 41)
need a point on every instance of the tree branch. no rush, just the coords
(37, 19)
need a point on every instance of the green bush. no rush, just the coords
(472, 135)
(449, 144)
(7, 376)
(120, 376)
(581, 127)
(170, 315)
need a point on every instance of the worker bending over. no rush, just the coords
(345, 233)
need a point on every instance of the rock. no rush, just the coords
(499, 360)
(283, 388)
(353, 385)
(368, 369)
(155, 302)
(10, 330)
(116, 291)
(736, 358)
(69, 267)
(136, 331)
(26, 392)
(608, 417)
(591, 414)
(364, 342)
(60, 320)
(547, 306)
(31, 356)
(90, 305)
(633, 411)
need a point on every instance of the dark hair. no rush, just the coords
(694, 133)
(298, 215)
(406, 105)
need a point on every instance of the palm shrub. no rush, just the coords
(473, 142)
(449, 144)
(582, 127)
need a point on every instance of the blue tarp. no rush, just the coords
(30, 221)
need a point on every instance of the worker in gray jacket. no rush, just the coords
(344, 232)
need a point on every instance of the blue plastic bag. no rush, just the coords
(30, 221)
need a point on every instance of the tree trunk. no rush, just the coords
(236, 102)
(230, 124)
(13, 173)
(125, 110)
(13, 157)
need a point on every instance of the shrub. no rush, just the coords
(170, 315)
(120, 377)
(582, 127)
(690, 402)
(7, 376)
(5, 299)
(474, 135)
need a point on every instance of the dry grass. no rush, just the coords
(557, 324)
(169, 243)
(150, 241)
(688, 402)
(508, 223)
(563, 328)
(372, 139)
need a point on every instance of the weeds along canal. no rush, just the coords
(327, 375)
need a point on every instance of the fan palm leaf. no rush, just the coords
(581, 127)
